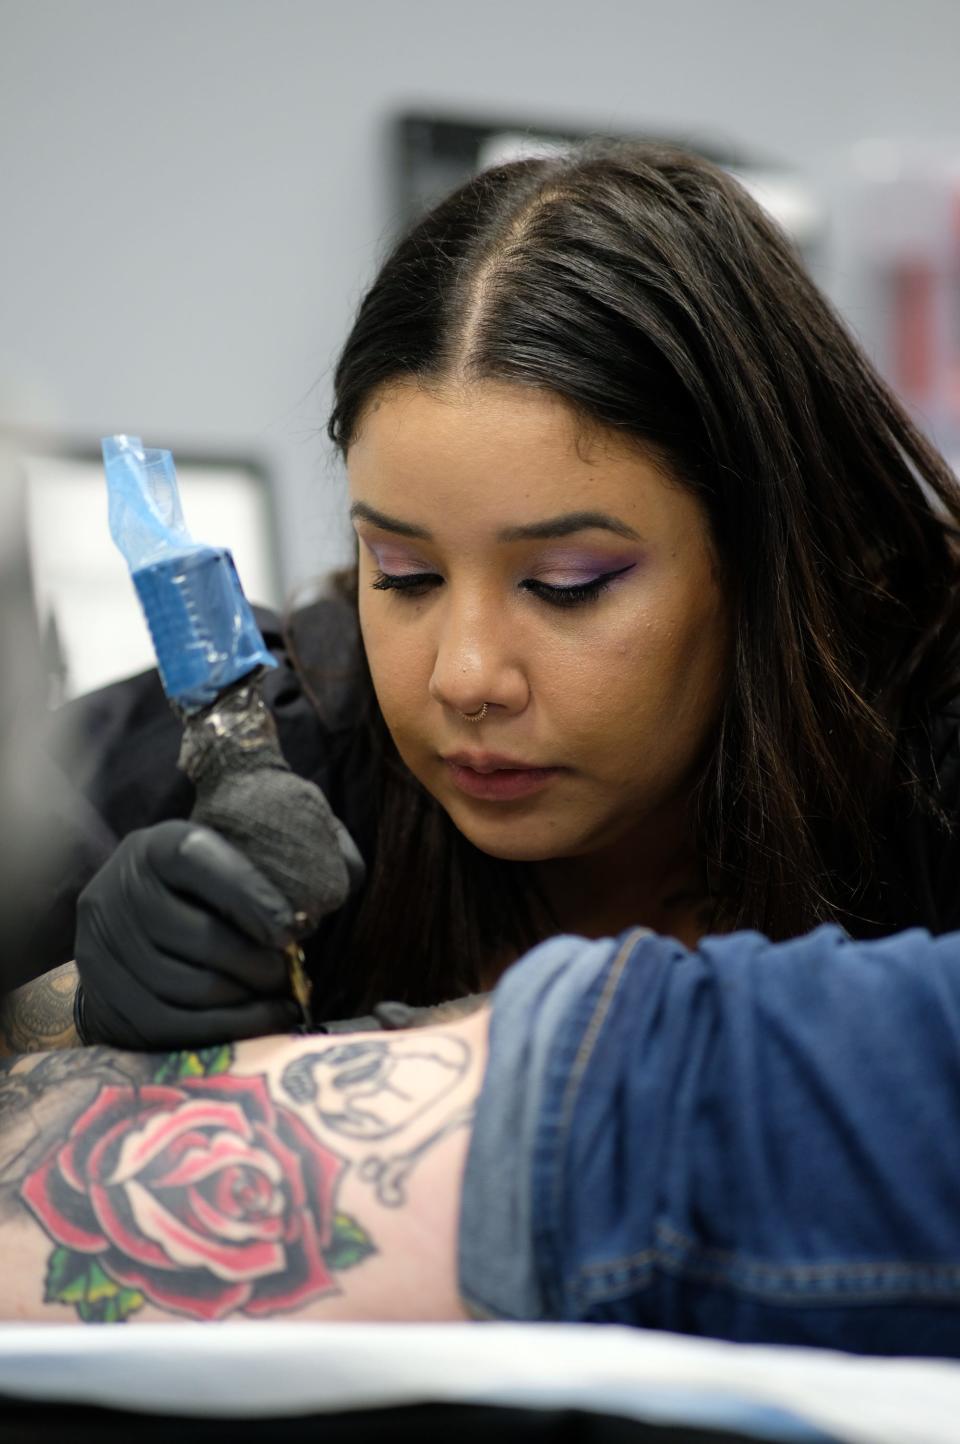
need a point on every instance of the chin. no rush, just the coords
(512, 853)
(505, 843)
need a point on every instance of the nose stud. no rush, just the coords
(475, 716)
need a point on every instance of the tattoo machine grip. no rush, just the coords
(247, 792)
(211, 658)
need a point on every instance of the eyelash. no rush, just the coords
(417, 584)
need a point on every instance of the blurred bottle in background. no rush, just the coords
(898, 273)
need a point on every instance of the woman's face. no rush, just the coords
(508, 557)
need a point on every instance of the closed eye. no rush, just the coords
(417, 584)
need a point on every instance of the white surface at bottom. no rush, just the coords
(250, 1370)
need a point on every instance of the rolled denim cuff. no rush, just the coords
(538, 1012)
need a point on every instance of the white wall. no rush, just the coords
(193, 191)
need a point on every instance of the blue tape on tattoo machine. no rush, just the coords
(212, 659)
(203, 630)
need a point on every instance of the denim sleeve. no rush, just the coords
(752, 1141)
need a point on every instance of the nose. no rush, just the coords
(478, 659)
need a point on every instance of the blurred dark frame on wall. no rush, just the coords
(432, 153)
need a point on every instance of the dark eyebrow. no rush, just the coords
(556, 526)
(388, 523)
(566, 525)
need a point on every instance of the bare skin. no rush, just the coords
(617, 685)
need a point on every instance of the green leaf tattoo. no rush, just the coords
(349, 1245)
(75, 1278)
(194, 1063)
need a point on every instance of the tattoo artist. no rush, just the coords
(654, 622)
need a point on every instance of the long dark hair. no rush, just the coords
(645, 287)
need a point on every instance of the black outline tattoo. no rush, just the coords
(356, 1090)
(389, 1175)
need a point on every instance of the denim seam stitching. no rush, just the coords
(835, 1293)
(726, 1257)
(584, 1053)
(594, 1027)
(781, 1282)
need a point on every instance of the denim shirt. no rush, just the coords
(752, 1141)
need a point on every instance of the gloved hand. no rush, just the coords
(180, 942)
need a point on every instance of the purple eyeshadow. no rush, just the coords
(566, 568)
(576, 569)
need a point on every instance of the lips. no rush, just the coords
(499, 784)
(484, 762)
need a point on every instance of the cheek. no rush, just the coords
(680, 675)
(398, 660)
(647, 689)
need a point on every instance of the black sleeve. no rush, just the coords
(115, 751)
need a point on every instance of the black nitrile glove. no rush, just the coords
(180, 943)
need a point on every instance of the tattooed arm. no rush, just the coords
(309, 1177)
(39, 1015)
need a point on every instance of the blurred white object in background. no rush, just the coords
(789, 199)
(92, 629)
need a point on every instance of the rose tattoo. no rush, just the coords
(202, 1196)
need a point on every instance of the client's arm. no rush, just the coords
(315, 1177)
(752, 1140)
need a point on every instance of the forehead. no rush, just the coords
(491, 453)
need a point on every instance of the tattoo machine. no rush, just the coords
(212, 661)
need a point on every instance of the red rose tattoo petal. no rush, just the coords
(148, 1143)
(110, 1105)
(320, 1180)
(191, 1249)
(64, 1213)
(256, 1216)
(205, 1196)
(290, 1169)
(114, 1211)
(237, 1193)
(207, 1156)
(231, 1228)
(194, 1294)
(307, 1277)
